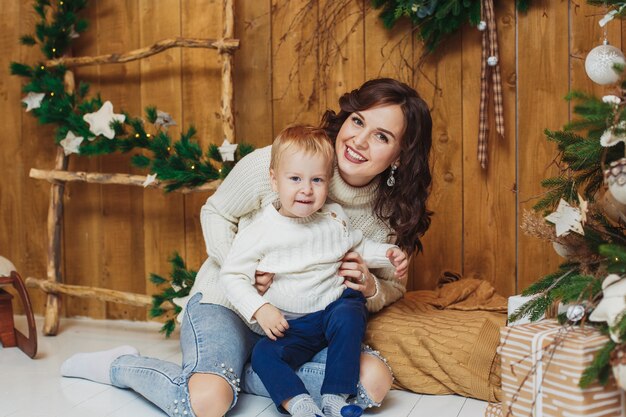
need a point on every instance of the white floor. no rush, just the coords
(34, 388)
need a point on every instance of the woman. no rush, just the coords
(382, 140)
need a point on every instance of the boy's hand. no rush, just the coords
(271, 321)
(400, 261)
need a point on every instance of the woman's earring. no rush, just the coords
(391, 181)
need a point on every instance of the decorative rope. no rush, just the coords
(490, 65)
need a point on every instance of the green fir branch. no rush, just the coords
(544, 294)
(534, 309)
(178, 285)
(615, 256)
(579, 156)
(600, 368)
(577, 288)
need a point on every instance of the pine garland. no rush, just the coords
(180, 164)
(435, 19)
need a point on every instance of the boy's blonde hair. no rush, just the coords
(306, 138)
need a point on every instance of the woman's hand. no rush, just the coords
(271, 321)
(262, 281)
(357, 275)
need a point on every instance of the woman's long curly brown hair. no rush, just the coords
(402, 206)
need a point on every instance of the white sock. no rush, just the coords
(95, 366)
(303, 406)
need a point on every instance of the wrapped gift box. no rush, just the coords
(542, 364)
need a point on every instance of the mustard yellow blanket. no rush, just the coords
(444, 341)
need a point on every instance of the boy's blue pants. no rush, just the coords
(340, 326)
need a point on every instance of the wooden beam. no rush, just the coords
(55, 216)
(102, 294)
(228, 120)
(54, 225)
(224, 46)
(59, 177)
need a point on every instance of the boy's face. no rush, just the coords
(301, 181)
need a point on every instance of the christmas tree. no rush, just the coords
(583, 214)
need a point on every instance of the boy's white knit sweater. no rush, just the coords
(241, 197)
(304, 254)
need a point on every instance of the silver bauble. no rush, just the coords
(599, 64)
(575, 313)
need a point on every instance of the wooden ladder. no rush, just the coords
(53, 285)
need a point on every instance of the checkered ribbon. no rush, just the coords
(489, 50)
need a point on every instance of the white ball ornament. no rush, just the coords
(492, 61)
(561, 250)
(575, 313)
(615, 177)
(599, 64)
(482, 25)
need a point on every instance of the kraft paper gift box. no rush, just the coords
(542, 364)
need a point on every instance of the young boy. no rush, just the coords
(301, 240)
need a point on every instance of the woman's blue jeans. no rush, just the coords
(214, 340)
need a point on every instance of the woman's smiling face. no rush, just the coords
(368, 143)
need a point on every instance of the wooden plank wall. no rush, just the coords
(296, 58)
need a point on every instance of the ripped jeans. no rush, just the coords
(213, 340)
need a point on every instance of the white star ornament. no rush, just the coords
(164, 119)
(566, 218)
(33, 100)
(71, 143)
(227, 150)
(612, 305)
(100, 121)
(149, 180)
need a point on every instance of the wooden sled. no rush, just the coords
(9, 335)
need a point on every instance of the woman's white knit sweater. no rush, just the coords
(304, 254)
(241, 197)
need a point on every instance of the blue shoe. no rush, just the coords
(351, 410)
